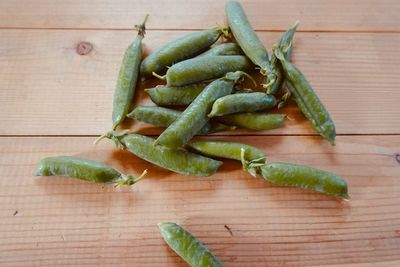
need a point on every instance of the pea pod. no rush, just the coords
(254, 121)
(199, 69)
(300, 176)
(306, 99)
(179, 161)
(248, 40)
(285, 44)
(84, 169)
(195, 116)
(224, 149)
(187, 247)
(164, 117)
(247, 102)
(183, 48)
(127, 78)
(175, 96)
(224, 49)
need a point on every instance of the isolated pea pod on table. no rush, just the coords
(183, 48)
(224, 49)
(204, 68)
(179, 160)
(254, 121)
(84, 169)
(164, 117)
(285, 43)
(239, 103)
(187, 247)
(294, 175)
(195, 116)
(226, 149)
(248, 40)
(306, 99)
(175, 96)
(127, 78)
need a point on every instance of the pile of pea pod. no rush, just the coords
(206, 79)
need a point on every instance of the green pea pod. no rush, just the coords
(179, 161)
(300, 176)
(224, 149)
(195, 116)
(199, 69)
(187, 247)
(127, 78)
(285, 44)
(164, 117)
(254, 121)
(183, 48)
(248, 102)
(175, 96)
(306, 99)
(248, 40)
(84, 169)
(225, 49)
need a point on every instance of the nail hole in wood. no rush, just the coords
(84, 48)
(397, 157)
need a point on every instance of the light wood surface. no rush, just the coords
(60, 92)
(54, 101)
(64, 221)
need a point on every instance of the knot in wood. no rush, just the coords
(84, 48)
(397, 157)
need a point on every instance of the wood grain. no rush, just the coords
(47, 88)
(48, 221)
(339, 15)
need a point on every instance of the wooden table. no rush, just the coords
(55, 100)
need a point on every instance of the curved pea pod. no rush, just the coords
(307, 100)
(195, 116)
(254, 121)
(164, 117)
(179, 161)
(199, 69)
(300, 176)
(84, 169)
(127, 78)
(175, 96)
(187, 247)
(246, 102)
(248, 40)
(224, 149)
(224, 49)
(183, 48)
(285, 43)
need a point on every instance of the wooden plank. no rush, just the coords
(338, 15)
(49, 89)
(51, 221)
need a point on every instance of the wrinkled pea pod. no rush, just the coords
(225, 149)
(285, 44)
(164, 117)
(195, 116)
(246, 102)
(84, 169)
(187, 247)
(248, 40)
(127, 78)
(179, 161)
(199, 69)
(254, 121)
(175, 96)
(183, 48)
(307, 100)
(287, 174)
(224, 49)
